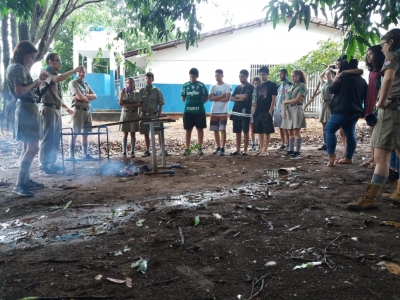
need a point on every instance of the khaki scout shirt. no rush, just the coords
(53, 94)
(150, 99)
(81, 86)
(392, 61)
(130, 98)
(297, 89)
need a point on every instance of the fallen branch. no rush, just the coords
(161, 282)
(255, 284)
(181, 235)
(57, 261)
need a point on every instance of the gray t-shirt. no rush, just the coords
(220, 107)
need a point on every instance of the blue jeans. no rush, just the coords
(348, 124)
(394, 160)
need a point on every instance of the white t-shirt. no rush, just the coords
(220, 107)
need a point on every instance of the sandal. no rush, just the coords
(235, 153)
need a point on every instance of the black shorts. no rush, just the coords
(194, 120)
(263, 123)
(240, 124)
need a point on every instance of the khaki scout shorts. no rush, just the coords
(81, 119)
(386, 134)
(145, 128)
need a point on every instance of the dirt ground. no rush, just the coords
(220, 228)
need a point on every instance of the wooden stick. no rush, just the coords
(161, 282)
(182, 237)
(316, 93)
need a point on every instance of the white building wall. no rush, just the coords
(232, 52)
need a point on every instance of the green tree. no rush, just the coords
(317, 60)
(360, 19)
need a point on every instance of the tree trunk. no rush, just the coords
(14, 31)
(1, 63)
(6, 46)
(23, 31)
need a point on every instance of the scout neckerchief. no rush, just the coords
(58, 84)
(282, 95)
(82, 86)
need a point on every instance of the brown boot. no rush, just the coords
(368, 200)
(395, 196)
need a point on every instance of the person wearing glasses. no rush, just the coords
(27, 118)
(51, 104)
(385, 136)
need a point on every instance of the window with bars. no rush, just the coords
(254, 70)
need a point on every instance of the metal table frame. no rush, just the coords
(98, 134)
(153, 124)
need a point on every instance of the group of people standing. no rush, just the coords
(347, 97)
(43, 123)
(258, 108)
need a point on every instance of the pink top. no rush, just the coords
(372, 92)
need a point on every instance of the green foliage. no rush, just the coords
(22, 8)
(361, 19)
(317, 60)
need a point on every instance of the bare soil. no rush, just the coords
(205, 232)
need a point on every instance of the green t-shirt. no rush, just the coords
(194, 94)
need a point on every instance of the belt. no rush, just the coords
(51, 105)
(295, 104)
(130, 111)
(394, 99)
(80, 107)
(149, 114)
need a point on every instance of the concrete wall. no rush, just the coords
(232, 52)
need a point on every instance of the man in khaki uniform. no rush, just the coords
(81, 95)
(151, 103)
(51, 104)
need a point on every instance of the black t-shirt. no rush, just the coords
(265, 91)
(243, 108)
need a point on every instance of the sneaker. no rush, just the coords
(186, 152)
(222, 152)
(46, 171)
(296, 155)
(31, 185)
(323, 147)
(282, 147)
(200, 152)
(235, 153)
(22, 191)
(244, 153)
(253, 147)
(288, 154)
(146, 153)
(217, 151)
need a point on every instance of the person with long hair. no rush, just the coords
(293, 118)
(385, 136)
(325, 113)
(27, 127)
(374, 61)
(346, 108)
(129, 101)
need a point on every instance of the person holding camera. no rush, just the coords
(129, 101)
(385, 136)
(27, 127)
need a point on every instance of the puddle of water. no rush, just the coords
(102, 219)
